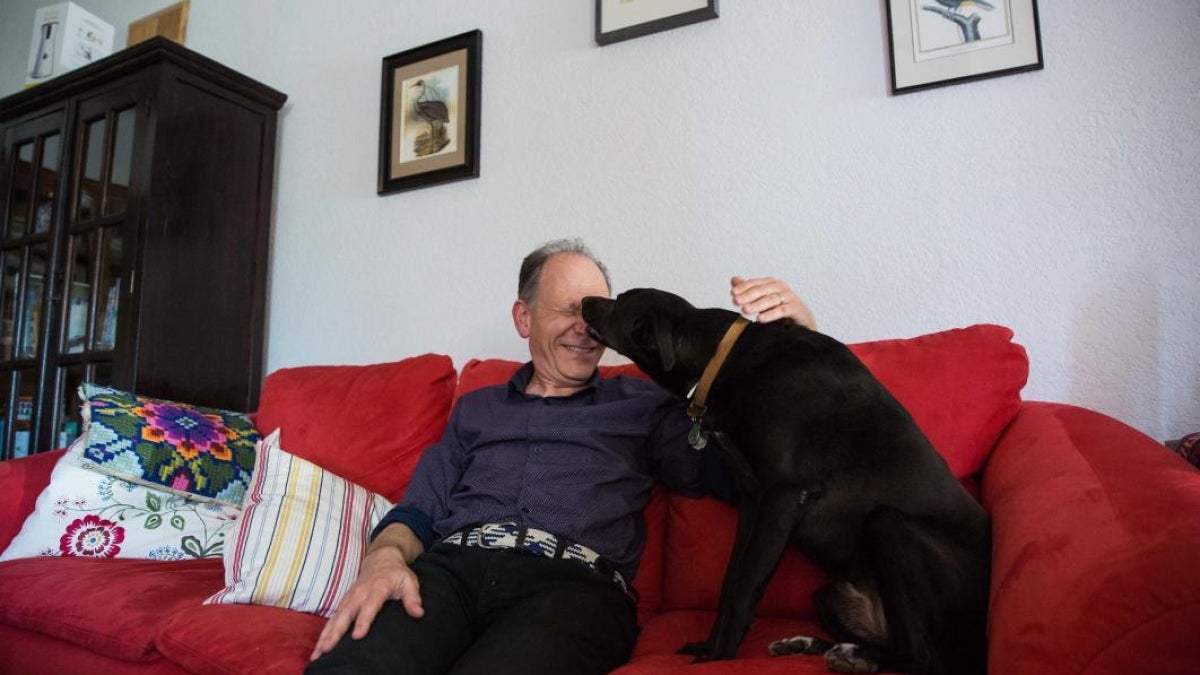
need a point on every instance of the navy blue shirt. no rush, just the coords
(578, 466)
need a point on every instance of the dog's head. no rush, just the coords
(663, 334)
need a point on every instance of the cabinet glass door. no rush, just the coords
(33, 180)
(93, 257)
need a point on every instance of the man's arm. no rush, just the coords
(384, 575)
(397, 541)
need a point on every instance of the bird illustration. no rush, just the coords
(436, 114)
(956, 5)
(435, 111)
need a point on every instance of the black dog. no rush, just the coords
(824, 457)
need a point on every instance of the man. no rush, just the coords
(514, 545)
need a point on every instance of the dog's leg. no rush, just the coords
(749, 504)
(934, 590)
(746, 578)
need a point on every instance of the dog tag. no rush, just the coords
(696, 438)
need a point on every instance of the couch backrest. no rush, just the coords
(367, 424)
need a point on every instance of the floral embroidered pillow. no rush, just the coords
(88, 514)
(202, 453)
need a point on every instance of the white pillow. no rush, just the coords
(90, 514)
(301, 537)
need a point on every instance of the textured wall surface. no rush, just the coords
(1062, 203)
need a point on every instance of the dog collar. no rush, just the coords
(699, 394)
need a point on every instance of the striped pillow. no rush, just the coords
(301, 536)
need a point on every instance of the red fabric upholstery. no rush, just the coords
(699, 540)
(662, 637)
(29, 652)
(961, 386)
(111, 606)
(23, 480)
(1096, 552)
(240, 639)
(367, 424)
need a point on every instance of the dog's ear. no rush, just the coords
(653, 340)
(666, 345)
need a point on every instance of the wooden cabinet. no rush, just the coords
(136, 202)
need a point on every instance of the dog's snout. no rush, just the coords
(595, 307)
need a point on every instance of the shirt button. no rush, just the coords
(537, 451)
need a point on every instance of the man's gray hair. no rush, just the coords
(531, 267)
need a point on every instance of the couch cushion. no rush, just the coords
(200, 453)
(239, 639)
(301, 537)
(1096, 548)
(111, 606)
(367, 424)
(699, 539)
(91, 514)
(962, 386)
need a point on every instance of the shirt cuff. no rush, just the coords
(417, 520)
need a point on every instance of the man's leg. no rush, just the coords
(398, 643)
(549, 616)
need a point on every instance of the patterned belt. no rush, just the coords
(537, 542)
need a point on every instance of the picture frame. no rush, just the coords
(429, 114)
(934, 43)
(618, 20)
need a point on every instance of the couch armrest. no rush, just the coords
(21, 481)
(1096, 559)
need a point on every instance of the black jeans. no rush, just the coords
(494, 612)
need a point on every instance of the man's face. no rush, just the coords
(563, 353)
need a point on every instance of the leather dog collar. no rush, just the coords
(700, 393)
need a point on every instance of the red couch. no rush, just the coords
(1096, 566)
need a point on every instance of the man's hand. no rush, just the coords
(384, 575)
(771, 299)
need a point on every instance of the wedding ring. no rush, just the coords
(778, 299)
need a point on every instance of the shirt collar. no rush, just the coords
(520, 380)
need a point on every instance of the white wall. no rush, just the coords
(1062, 203)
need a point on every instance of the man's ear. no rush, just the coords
(521, 319)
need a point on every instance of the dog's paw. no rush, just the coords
(850, 658)
(800, 644)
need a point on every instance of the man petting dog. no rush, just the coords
(514, 546)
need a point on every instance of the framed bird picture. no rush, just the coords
(429, 114)
(939, 42)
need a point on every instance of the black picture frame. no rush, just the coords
(660, 21)
(429, 114)
(922, 59)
